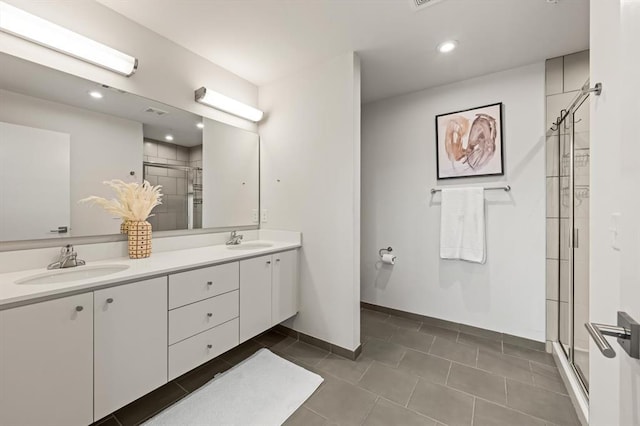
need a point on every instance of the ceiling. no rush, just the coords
(31, 79)
(265, 40)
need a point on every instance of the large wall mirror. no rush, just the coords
(61, 136)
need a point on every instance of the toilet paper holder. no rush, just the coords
(388, 250)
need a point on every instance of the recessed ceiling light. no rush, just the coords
(447, 46)
(168, 137)
(95, 94)
(200, 125)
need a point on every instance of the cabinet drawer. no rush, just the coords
(193, 286)
(192, 352)
(200, 316)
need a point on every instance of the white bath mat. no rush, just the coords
(263, 390)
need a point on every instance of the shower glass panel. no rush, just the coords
(580, 214)
(573, 192)
(181, 196)
(565, 279)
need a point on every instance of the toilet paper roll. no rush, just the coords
(389, 259)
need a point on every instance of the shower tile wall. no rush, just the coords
(172, 213)
(565, 76)
(195, 160)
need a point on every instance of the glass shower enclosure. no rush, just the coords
(573, 155)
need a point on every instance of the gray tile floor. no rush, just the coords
(410, 373)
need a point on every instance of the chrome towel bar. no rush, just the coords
(505, 188)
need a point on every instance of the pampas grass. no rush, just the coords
(133, 201)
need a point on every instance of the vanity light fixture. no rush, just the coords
(200, 125)
(168, 138)
(30, 27)
(447, 46)
(95, 94)
(227, 104)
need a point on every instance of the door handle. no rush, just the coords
(627, 331)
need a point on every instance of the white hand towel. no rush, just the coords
(462, 227)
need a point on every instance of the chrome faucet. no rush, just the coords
(235, 239)
(68, 259)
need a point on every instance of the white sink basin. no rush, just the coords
(251, 245)
(72, 274)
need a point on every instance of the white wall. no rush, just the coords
(614, 395)
(506, 294)
(103, 147)
(310, 168)
(167, 72)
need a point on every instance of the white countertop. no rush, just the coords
(158, 264)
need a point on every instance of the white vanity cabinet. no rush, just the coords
(76, 359)
(284, 286)
(130, 326)
(203, 315)
(268, 292)
(46, 363)
(255, 296)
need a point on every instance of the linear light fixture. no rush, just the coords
(40, 31)
(226, 104)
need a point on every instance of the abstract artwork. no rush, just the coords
(469, 142)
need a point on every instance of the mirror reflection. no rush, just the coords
(62, 136)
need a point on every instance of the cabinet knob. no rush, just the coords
(79, 308)
(209, 283)
(209, 346)
(268, 262)
(209, 314)
(110, 300)
(277, 260)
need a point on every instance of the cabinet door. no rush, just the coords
(255, 296)
(130, 343)
(284, 288)
(46, 363)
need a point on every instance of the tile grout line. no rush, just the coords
(366, 370)
(415, 386)
(412, 410)
(313, 411)
(473, 411)
(370, 410)
(506, 393)
(446, 380)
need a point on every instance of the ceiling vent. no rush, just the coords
(421, 4)
(156, 111)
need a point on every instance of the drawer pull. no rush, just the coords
(209, 283)
(209, 314)
(268, 262)
(277, 260)
(79, 308)
(209, 346)
(110, 300)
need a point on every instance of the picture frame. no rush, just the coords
(470, 143)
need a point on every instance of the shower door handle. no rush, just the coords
(627, 331)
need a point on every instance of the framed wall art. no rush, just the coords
(469, 143)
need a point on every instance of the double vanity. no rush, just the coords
(77, 344)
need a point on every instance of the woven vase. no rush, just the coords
(124, 227)
(139, 232)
